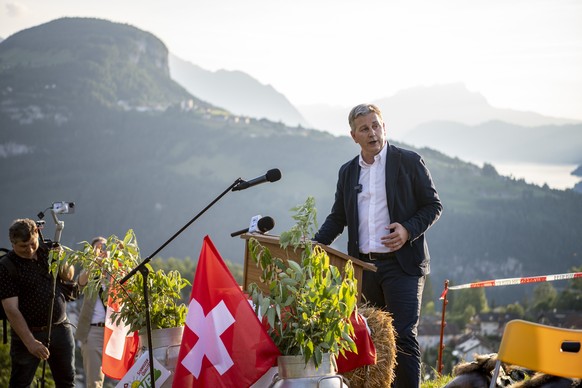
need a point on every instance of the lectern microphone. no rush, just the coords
(258, 224)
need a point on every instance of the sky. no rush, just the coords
(520, 54)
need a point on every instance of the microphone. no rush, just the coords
(258, 224)
(271, 176)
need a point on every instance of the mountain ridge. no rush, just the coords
(235, 91)
(550, 144)
(140, 57)
(408, 108)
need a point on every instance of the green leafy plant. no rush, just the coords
(166, 310)
(305, 225)
(309, 303)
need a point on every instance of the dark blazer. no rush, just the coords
(412, 201)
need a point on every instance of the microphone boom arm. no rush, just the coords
(149, 258)
(239, 184)
(141, 267)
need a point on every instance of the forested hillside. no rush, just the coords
(153, 163)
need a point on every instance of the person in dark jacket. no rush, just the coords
(387, 199)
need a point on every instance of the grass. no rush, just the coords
(438, 382)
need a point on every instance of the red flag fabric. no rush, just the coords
(366, 350)
(224, 344)
(119, 345)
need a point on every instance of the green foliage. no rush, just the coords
(429, 358)
(515, 308)
(305, 225)
(429, 309)
(544, 298)
(4, 360)
(165, 295)
(187, 267)
(439, 382)
(464, 305)
(469, 313)
(308, 306)
(489, 170)
(428, 293)
(166, 309)
(571, 297)
(109, 64)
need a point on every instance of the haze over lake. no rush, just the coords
(557, 176)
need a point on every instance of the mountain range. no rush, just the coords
(235, 91)
(502, 142)
(412, 107)
(446, 117)
(90, 114)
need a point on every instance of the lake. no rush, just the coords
(557, 176)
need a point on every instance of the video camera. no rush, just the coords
(63, 207)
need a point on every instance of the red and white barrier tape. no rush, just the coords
(513, 281)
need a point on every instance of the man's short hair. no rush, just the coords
(22, 230)
(362, 110)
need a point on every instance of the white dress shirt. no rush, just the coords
(373, 212)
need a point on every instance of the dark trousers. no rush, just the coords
(400, 294)
(61, 360)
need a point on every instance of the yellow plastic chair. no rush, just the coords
(551, 350)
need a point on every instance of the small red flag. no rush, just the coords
(366, 350)
(224, 344)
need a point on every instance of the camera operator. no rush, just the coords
(26, 296)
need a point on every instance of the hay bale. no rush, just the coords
(383, 335)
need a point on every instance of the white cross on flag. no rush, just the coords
(119, 345)
(224, 344)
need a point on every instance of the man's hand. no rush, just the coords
(37, 349)
(396, 238)
(67, 272)
(19, 325)
(83, 278)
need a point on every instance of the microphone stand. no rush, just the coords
(141, 267)
(59, 228)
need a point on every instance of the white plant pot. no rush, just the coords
(292, 372)
(166, 349)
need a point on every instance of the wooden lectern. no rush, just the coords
(338, 259)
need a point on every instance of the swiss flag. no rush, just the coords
(119, 345)
(224, 344)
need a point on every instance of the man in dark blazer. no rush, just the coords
(387, 199)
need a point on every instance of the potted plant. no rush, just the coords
(167, 312)
(308, 305)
